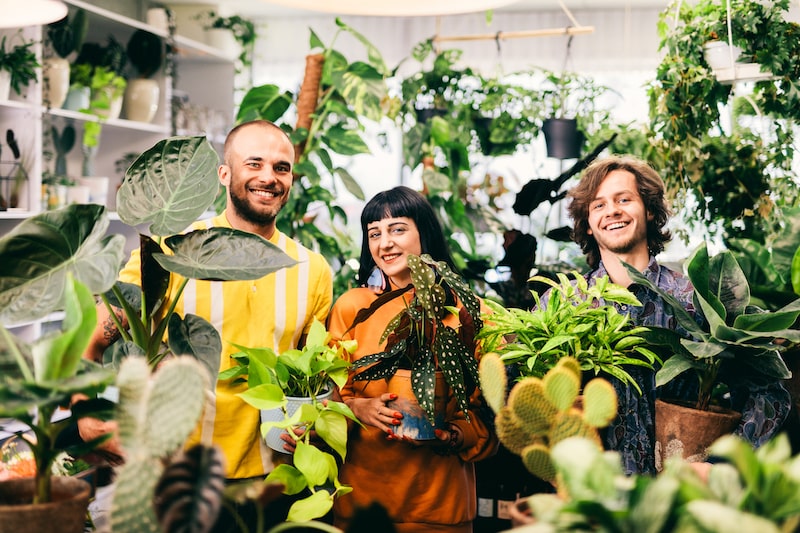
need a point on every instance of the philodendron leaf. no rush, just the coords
(37, 255)
(195, 336)
(223, 254)
(170, 185)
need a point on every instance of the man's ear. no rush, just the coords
(650, 216)
(224, 173)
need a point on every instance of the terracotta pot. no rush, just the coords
(65, 514)
(563, 138)
(415, 424)
(273, 437)
(687, 432)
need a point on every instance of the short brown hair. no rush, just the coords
(650, 187)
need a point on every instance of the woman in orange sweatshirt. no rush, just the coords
(425, 486)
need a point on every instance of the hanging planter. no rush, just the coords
(563, 138)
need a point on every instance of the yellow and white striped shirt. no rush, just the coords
(273, 311)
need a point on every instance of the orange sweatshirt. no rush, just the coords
(422, 491)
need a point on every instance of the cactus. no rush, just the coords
(156, 414)
(541, 412)
(63, 143)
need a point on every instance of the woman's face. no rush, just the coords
(390, 242)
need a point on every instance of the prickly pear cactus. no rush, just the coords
(155, 414)
(541, 412)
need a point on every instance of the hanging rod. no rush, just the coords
(575, 29)
(550, 32)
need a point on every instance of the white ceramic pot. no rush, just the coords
(276, 415)
(77, 98)
(141, 99)
(719, 54)
(5, 85)
(78, 194)
(98, 188)
(56, 81)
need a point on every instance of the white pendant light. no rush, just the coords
(21, 13)
(393, 8)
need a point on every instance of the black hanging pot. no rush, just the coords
(563, 138)
(424, 115)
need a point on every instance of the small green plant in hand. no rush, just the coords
(306, 372)
(575, 320)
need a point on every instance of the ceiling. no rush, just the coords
(265, 8)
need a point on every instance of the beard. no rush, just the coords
(249, 213)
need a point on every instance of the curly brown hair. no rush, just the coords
(650, 187)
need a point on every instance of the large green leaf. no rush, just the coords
(266, 102)
(37, 255)
(170, 185)
(223, 254)
(195, 336)
(728, 284)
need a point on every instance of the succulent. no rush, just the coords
(156, 414)
(539, 413)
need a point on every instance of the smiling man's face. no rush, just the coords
(617, 216)
(258, 174)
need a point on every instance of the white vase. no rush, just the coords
(223, 40)
(56, 75)
(5, 85)
(98, 188)
(273, 437)
(141, 99)
(114, 108)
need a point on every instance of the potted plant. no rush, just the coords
(689, 111)
(146, 54)
(293, 389)
(65, 37)
(241, 29)
(18, 66)
(570, 112)
(737, 337)
(40, 378)
(571, 324)
(422, 354)
(750, 490)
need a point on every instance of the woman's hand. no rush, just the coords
(374, 412)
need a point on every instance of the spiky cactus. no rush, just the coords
(542, 412)
(156, 413)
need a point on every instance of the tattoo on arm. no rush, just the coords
(110, 330)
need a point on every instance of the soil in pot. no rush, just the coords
(415, 424)
(65, 514)
(688, 432)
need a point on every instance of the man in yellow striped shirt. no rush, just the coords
(274, 311)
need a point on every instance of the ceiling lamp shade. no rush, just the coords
(393, 8)
(21, 13)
